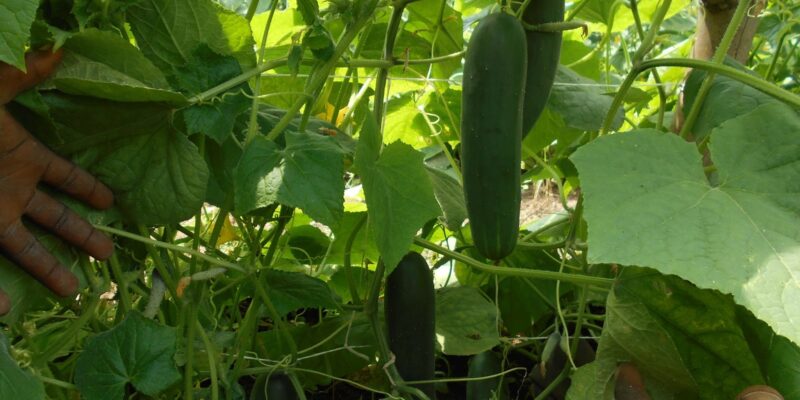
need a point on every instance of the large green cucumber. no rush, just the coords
(544, 50)
(410, 308)
(481, 365)
(491, 132)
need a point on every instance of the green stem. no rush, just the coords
(321, 74)
(347, 261)
(662, 95)
(521, 272)
(556, 27)
(544, 394)
(173, 247)
(388, 49)
(777, 55)
(719, 58)
(70, 334)
(252, 127)
(124, 296)
(212, 362)
(251, 10)
(371, 311)
(741, 76)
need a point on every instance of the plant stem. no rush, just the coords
(122, 288)
(173, 247)
(371, 311)
(388, 49)
(320, 75)
(719, 58)
(252, 127)
(741, 76)
(521, 272)
(347, 262)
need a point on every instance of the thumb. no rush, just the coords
(39, 65)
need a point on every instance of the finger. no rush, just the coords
(59, 219)
(23, 249)
(629, 385)
(73, 180)
(39, 65)
(5, 303)
(759, 392)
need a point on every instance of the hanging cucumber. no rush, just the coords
(486, 364)
(544, 50)
(410, 309)
(278, 387)
(491, 132)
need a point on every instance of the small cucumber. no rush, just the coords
(544, 51)
(486, 364)
(410, 309)
(491, 132)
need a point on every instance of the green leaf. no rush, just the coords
(156, 173)
(398, 191)
(290, 291)
(443, 28)
(685, 341)
(309, 9)
(168, 31)
(727, 99)
(648, 203)
(216, 117)
(777, 356)
(450, 195)
(306, 174)
(16, 383)
(362, 278)
(582, 105)
(102, 64)
(138, 352)
(465, 321)
(16, 18)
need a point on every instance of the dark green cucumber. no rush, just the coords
(491, 132)
(278, 387)
(544, 50)
(410, 309)
(486, 364)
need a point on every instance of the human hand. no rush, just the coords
(630, 386)
(24, 163)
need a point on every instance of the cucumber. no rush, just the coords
(544, 51)
(491, 132)
(485, 364)
(278, 387)
(410, 309)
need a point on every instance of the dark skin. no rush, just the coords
(630, 385)
(25, 165)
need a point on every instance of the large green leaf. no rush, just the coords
(156, 173)
(777, 356)
(16, 383)
(685, 341)
(648, 203)
(137, 352)
(398, 191)
(465, 321)
(102, 64)
(168, 31)
(450, 195)
(16, 18)
(306, 174)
